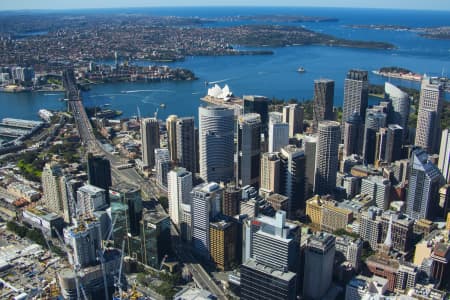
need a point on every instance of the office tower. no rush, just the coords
(186, 139)
(99, 173)
(425, 180)
(394, 143)
(292, 178)
(327, 161)
(86, 240)
(51, 185)
(401, 231)
(440, 268)
(356, 94)
(131, 196)
(323, 100)
(171, 126)
(216, 143)
(378, 188)
(162, 166)
(444, 155)
(428, 118)
(444, 201)
(275, 117)
(278, 136)
(118, 213)
(223, 235)
(374, 121)
(353, 135)
(400, 107)
(407, 276)
(261, 282)
(352, 186)
(155, 237)
(270, 173)
(258, 105)
(248, 150)
(232, 196)
(206, 200)
(370, 226)
(70, 188)
(150, 141)
(89, 199)
(249, 207)
(179, 192)
(186, 222)
(310, 145)
(350, 249)
(278, 202)
(293, 115)
(319, 259)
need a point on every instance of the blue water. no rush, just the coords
(274, 75)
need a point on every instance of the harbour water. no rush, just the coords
(271, 75)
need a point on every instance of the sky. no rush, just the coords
(69, 4)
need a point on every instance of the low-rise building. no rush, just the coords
(40, 218)
(21, 190)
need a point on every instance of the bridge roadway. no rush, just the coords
(200, 276)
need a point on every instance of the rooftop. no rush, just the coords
(286, 276)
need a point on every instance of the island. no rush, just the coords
(398, 72)
(438, 33)
(276, 19)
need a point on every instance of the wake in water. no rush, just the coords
(219, 81)
(142, 91)
(51, 94)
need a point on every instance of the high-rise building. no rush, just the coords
(70, 188)
(444, 201)
(179, 192)
(150, 140)
(155, 237)
(407, 276)
(425, 180)
(89, 199)
(293, 115)
(400, 107)
(51, 185)
(318, 271)
(370, 226)
(118, 214)
(309, 146)
(171, 126)
(223, 238)
(350, 249)
(258, 105)
(99, 173)
(262, 282)
(401, 230)
(292, 178)
(162, 166)
(353, 135)
(131, 196)
(323, 100)
(278, 136)
(248, 150)
(186, 139)
(327, 161)
(186, 222)
(374, 121)
(85, 239)
(206, 201)
(356, 94)
(270, 173)
(428, 118)
(232, 196)
(394, 143)
(378, 188)
(216, 143)
(444, 155)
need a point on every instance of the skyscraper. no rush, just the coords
(378, 188)
(131, 196)
(374, 121)
(248, 150)
(428, 118)
(293, 115)
(292, 178)
(318, 271)
(150, 140)
(327, 157)
(323, 100)
(99, 173)
(216, 143)
(258, 105)
(278, 136)
(186, 139)
(356, 94)
(171, 126)
(394, 143)
(444, 155)
(85, 239)
(232, 196)
(310, 145)
(270, 173)
(425, 180)
(223, 240)
(206, 201)
(353, 135)
(179, 192)
(89, 199)
(162, 166)
(400, 106)
(51, 185)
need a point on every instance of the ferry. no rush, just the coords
(301, 70)
(162, 105)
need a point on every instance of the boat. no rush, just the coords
(162, 105)
(301, 70)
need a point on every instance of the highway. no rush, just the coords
(131, 176)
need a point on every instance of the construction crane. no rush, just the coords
(118, 283)
(138, 114)
(163, 261)
(102, 262)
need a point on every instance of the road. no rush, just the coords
(131, 176)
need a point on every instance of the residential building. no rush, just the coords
(293, 115)
(222, 243)
(371, 227)
(186, 144)
(356, 94)
(162, 166)
(171, 126)
(323, 101)
(53, 198)
(89, 199)
(232, 196)
(327, 161)
(149, 140)
(270, 173)
(86, 241)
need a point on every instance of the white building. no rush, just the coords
(162, 166)
(89, 199)
(444, 155)
(278, 135)
(179, 192)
